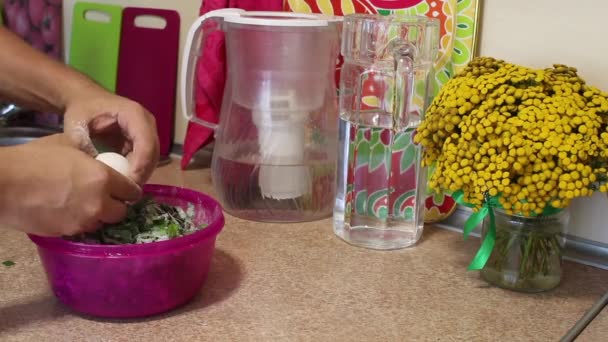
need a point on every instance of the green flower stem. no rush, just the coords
(533, 253)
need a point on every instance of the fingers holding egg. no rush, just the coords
(116, 161)
(122, 189)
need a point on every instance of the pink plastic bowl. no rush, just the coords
(124, 281)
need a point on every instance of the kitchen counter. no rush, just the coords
(597, 328)
(299, 282)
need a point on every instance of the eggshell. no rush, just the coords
(115, 161)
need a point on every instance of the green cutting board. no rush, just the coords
(95, 44)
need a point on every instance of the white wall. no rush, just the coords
(538, 33)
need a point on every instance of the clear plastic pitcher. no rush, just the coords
(275, 145)
(384, 90)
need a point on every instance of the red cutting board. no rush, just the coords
(147, 67)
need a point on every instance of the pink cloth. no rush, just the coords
(211, 73)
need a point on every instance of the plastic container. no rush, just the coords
(274, 158)
(135, 280)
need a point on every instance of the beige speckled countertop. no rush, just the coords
(597, 328)
(276, 282)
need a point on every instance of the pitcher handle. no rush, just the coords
(189, 60)
(404, 84)
(403, 56)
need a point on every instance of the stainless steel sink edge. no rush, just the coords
(15, 135)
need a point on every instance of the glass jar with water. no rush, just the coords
(385, 86)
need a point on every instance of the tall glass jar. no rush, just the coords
(527, 254)
(385, 87)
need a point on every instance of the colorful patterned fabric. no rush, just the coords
(458, 23)
(457, 46)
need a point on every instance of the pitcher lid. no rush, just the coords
(286, 19)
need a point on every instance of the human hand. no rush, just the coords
(121, 124)
(50, 188)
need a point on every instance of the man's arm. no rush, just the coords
(34, 81)
(49, 188)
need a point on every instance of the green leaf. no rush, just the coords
(402, 140)
(146, 221)
(461, 53)
(462, 5)
(442, 78)
(375, 137)
(362, 154)
(420, 9)
(378, 156)
(173, 230)
(359, 136)
(464, 29)
(8, 263)
(407, 158)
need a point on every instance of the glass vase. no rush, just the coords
(527, 254)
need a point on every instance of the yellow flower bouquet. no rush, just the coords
(520, 140)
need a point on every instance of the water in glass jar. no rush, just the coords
(380, 186)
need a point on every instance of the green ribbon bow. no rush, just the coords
(484, 252)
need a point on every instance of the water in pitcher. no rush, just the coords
(380, 196)
(385, 87)
(237, 183)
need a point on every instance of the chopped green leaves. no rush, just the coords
(8, 263)
(146, 221)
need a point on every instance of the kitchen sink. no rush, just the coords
(10, 136)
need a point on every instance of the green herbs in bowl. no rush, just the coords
(120, 272)
(146, 221)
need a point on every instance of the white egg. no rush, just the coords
(115, 161)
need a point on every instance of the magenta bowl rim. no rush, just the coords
(132, 250)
